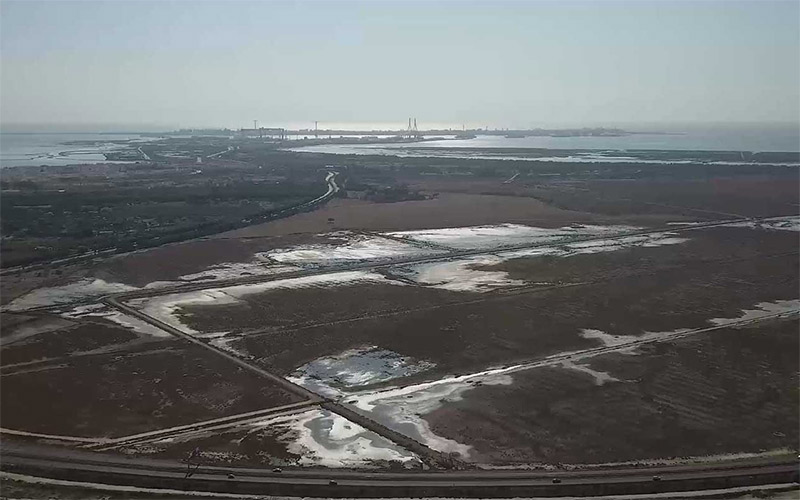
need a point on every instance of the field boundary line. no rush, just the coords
(425, 245)
(74, 439)
(206, 425)
(557, 359)
(280, 381)
(431, 456)
(484, 297)
(180, 287)
(386, 314)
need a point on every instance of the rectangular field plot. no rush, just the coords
(492, 329)
(144, 388)
(520, 356)
(293, 302)
(725, 392)
(743, 248)
(284, 324)
(36, 338)
(205, 259)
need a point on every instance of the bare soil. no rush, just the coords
(711, 198)
(728, 391)
(716, 244)
(293, 308)
(732, 390)
(83, 336)
(447, 210)
(19, 283)
(238, 446)
(148, 387)
(170, 262)
(715, 275)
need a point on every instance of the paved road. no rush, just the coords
(110, 469)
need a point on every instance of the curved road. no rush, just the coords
(330, 180)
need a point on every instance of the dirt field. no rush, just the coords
(716, 244)
(733, 390)
(716, 274)
(462, 200)
(234, 446)
(90, 380)
(447, 210)
(712, 198)
(78, 338)
(173, 261)
(301, 307)
(550, 202)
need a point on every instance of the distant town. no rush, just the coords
(411, 132)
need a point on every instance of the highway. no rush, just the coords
(113, 469)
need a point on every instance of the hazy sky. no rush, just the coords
(137, 64)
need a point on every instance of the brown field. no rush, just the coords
(726, 391)
(732, 390)
(91, 380)
(736, 246)
(716, 274)
(668, 196)
(76, 339)
(713, 198)
(306, 307)
(173, 261)
(447, 210)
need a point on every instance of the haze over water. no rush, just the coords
(753, 138)
(31, 149)
(515, 64)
